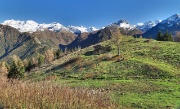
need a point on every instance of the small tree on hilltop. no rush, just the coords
(17, 69)
(117, 38)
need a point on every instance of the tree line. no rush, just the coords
(164, 37)
(17, 68)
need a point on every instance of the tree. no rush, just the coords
(17, 69)
(166, 37)
(58, 53)
(159, 36)
(41, 59)
(49, 54)
(117, 38)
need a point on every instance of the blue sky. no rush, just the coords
(96, 13)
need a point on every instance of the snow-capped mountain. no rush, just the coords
(32, 26)
(141, 26)
(123, 24)
(147, 25)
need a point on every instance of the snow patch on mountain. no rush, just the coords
(92, 29)
(147, 25)
(77, 29)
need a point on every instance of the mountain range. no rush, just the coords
(27, 38)
(32, 26)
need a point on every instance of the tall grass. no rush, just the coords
(44, 95)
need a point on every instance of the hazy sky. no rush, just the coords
(96, 13)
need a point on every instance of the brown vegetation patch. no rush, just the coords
(89, 75)
(115, 58)
(80, 69)
(53, 77)
(156, 48)
(68, 67)
(101, 58)
(81, 65)
(93, 65)
(148, 41)
(43, 95)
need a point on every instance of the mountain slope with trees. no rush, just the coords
(26, 44)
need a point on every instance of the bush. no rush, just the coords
(99, 49)
(41, 59)
(4, 68)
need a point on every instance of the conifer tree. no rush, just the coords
(17, 69)
(159, 36)
(166, 37)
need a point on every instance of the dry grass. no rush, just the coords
(44, 95)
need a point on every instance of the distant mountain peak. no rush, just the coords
(122, 21)
(147, 25)
(173, 18)
(123, 24)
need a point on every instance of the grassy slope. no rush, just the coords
(148, 77)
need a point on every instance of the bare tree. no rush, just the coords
(117, 38)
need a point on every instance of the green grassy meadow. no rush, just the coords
(147, 75)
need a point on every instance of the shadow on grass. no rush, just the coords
(67, 64)
(89, 53)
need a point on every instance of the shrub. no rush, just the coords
(41, 59)
(99, 49)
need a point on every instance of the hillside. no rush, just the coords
(159, 59)
(26, 45)
(147, 71)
